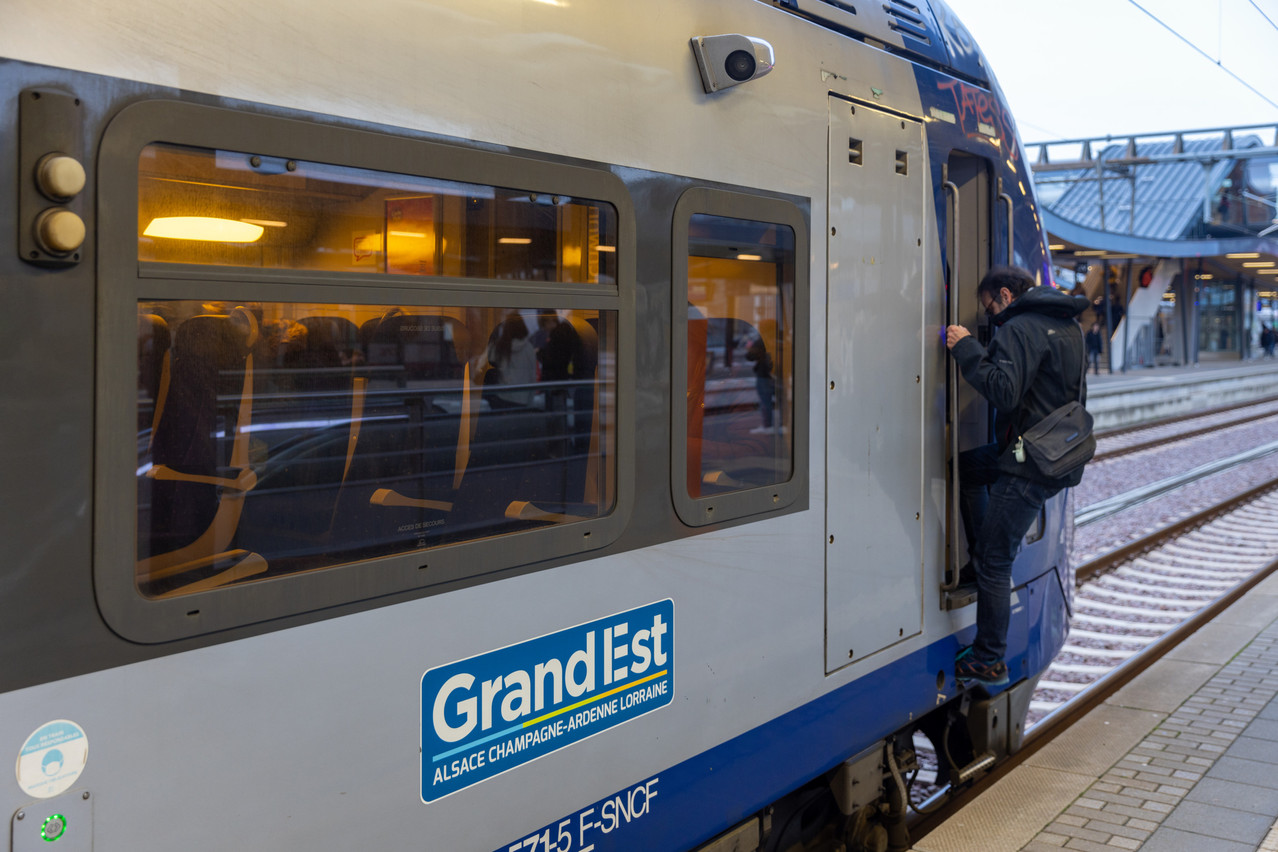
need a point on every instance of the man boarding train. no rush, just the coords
(1034, 365)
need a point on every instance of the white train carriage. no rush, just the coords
(494, 425)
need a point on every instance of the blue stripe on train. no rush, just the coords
(691, 802)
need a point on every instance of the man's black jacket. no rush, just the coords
(1033, 366)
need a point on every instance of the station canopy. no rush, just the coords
(1208, 198)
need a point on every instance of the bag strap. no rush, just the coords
(1083, 374)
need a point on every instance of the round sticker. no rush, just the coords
(52, 759)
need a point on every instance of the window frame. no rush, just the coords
(123, 281)
(714, 509)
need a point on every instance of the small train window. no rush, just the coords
(228, 208)
(275, 438)
(740, 333)
(738, 342)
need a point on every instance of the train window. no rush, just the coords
(737, 344)
(229, 208)
(740, 335)
(348, 381)
(277, 438)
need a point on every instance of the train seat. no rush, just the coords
(413, 449)
(307, 422)
(530, 463)
(192, 495)
(154, 342)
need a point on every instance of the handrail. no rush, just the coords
(952, 318)
(1007, 199)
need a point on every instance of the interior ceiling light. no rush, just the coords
(1242, 255)
(206, 228)
(1258, 263)
(515, 241)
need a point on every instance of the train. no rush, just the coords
(498, 424)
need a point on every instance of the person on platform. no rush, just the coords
(1095, 346)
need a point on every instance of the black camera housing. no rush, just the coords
(730, 60)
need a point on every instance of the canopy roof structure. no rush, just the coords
(1174, 236)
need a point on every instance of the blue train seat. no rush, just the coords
(192, 495)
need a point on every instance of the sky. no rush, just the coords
(1092, 68)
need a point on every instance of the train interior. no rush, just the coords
(970, 417)
(275, 436)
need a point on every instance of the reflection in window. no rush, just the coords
(740, 354)
(275, 438)
(235, 209)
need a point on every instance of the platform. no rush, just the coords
(1140, 395)
(1182, 759)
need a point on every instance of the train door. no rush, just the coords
(968, 415)
(875, 404)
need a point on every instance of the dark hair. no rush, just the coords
(512, 329)
(1013, 278)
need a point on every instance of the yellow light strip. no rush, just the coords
(205, 228)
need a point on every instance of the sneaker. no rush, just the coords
(968, 668)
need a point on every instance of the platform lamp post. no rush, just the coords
(1127, 314)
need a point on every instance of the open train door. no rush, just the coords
(875, 397)
(968, 415)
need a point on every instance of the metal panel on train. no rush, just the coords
(874, 420)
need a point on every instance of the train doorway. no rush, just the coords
(968, 416)
(875, 405)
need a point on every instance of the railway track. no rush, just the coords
(1132, 605)
(1128, 599)
(1135, 603)
(1131, 439)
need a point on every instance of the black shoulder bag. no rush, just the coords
(1061, 442)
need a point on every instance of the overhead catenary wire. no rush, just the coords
(1205, 54)
(1262, 14)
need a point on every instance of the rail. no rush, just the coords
(946, 803)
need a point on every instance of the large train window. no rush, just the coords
(740, 355)
(351, 381)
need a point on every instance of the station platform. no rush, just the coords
(1140, 395)
(1184, 758)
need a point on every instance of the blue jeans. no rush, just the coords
(998, 509)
